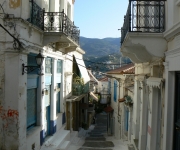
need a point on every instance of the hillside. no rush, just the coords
(102, 47)
(102, 55)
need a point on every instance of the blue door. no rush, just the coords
(177, 114)
(126, 118)
(48, 120)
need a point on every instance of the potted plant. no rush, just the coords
(128, 100)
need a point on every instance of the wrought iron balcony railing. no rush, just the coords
(144, 16)
(53, 22)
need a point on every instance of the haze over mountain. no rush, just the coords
(102, 47)
(102, 54)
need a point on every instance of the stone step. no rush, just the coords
(99, 144)
(99, 127)
(93, 149)
(96, 135)
(95, 139)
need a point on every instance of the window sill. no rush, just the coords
(33, 130)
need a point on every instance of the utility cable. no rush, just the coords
(15, 39)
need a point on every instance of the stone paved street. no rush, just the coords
(95, 138)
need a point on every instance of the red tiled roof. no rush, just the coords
(103, 79)
(127, 69)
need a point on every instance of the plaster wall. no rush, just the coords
(103, 87)
(114, 105)
(59, 121)
(136, 110)
(172, 11)
(142, 68)
(33, 138)
(13, 106)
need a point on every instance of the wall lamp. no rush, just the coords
(39, 61)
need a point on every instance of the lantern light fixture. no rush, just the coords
(39, 60)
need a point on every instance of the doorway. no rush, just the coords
(177, 113)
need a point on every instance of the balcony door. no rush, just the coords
(177, 114)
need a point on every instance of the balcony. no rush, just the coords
(58, 28)
(79, 87)
(142, 32)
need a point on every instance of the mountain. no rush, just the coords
(102, 47)
(102, 55)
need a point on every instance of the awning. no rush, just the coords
(108, 109)
(93, 96)
(83, 70)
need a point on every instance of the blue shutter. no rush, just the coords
(126, 118)
(31, 107)
(32, 62)
(58, 100)
(115, 90)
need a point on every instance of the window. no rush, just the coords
(59, 66)
(48, 68)
(32, 85)
(31, 107)
(115, 90)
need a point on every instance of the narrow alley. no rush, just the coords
(96, 138)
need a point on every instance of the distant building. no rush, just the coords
(121, 86)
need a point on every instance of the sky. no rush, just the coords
(100, 18)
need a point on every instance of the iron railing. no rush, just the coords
(144, 16)
(37, 17)
(53, 22)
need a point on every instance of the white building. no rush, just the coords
(33, 101)
(121, 86)
(104, 90)
(150, 38)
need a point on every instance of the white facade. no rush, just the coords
(156, 88)
(49, 89)
(121, 86)
(103, 89)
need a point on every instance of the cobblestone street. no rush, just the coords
(96, 138)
